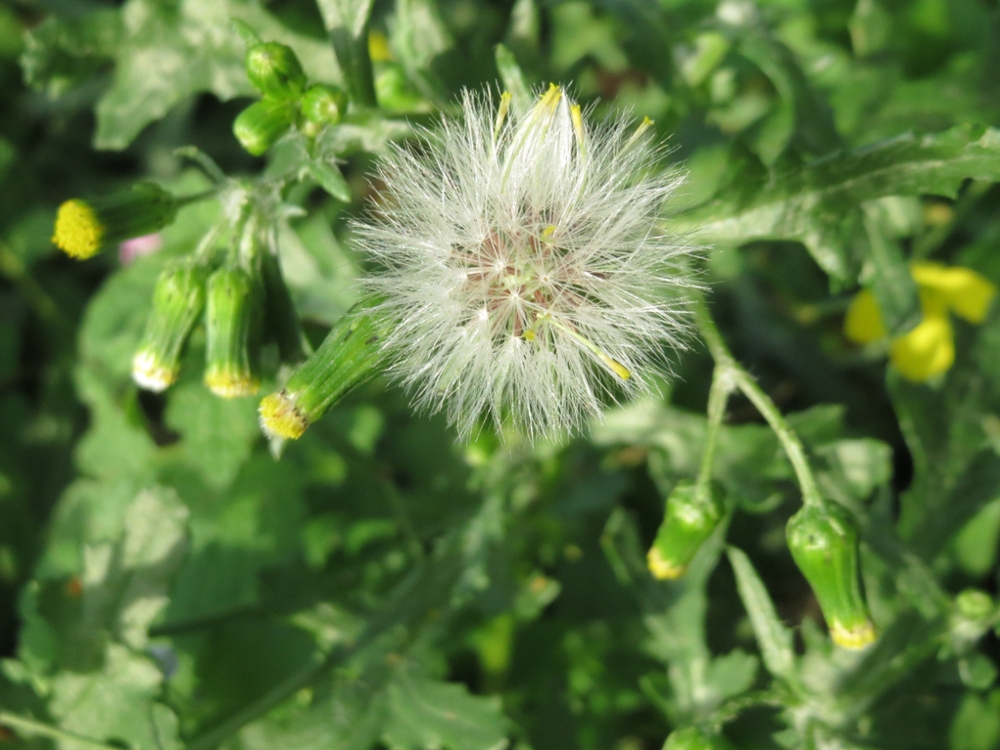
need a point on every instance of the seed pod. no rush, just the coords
(823, 540)
(178, 299)
(259, 126)
(691, 515)
(85, 228)
(275, 71)
(324, 105)
(692, 738)
(230, 322)
(349, 356)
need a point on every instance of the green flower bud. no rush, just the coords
(259, 126)
(177, 302)
(823, 540)
(232, 310)
(324, 105)
(281, 320)
(85, 228)
(692, 738)
(275, 71)
(349, 356)
(691, 515)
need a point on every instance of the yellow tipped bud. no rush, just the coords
(349, 356)
(279, 418)
(85, 228)
(823, 540)
(178, 299)
(690, 516)
(232, 313)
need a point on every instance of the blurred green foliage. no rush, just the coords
(166, 584)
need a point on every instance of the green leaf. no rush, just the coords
(169, 51)
(217, 434)
(59, 55)
(115, 704)
(126, 584)
(774, 639)
(513, 78)
(425, 714)
(421, 39)
(808, 203)
(892, 283)
(347, 23)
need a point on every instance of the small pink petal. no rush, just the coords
(136, 247)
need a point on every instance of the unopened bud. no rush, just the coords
(229, 323)
(692, 513)
(86, 227)
(259, 126)
(178, 299)
(823, 540)
(324, 105)
(349, 356)
(275, 71)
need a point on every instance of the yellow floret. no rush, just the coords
(230, 384)
(149, 372)
(855, 637)
(280, 418)
(78, 232)
(661, 568)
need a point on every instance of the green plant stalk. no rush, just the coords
(734, 373)
(718, 396)
(434, 578)
(39, 729)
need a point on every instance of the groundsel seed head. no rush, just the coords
(523, 265)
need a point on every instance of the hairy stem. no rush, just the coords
(734, 372)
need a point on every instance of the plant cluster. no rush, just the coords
(376, 392)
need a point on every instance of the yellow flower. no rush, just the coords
(929, 349)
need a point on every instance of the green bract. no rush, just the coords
(259, 126)
(231, 319)
(275, 71)
(823, 540)
(691, 515)
(178, 300)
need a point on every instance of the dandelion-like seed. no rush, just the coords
(523, 265)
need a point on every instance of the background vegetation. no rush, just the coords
(165, 583)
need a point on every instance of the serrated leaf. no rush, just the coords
(113, 704)
(774, 639)
(807, 203)
(425, 714)
(125, 585)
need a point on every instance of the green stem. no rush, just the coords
(738, 376)
(38, 729)
(271, 699)
(722, 386)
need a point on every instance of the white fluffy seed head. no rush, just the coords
(521, 259)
